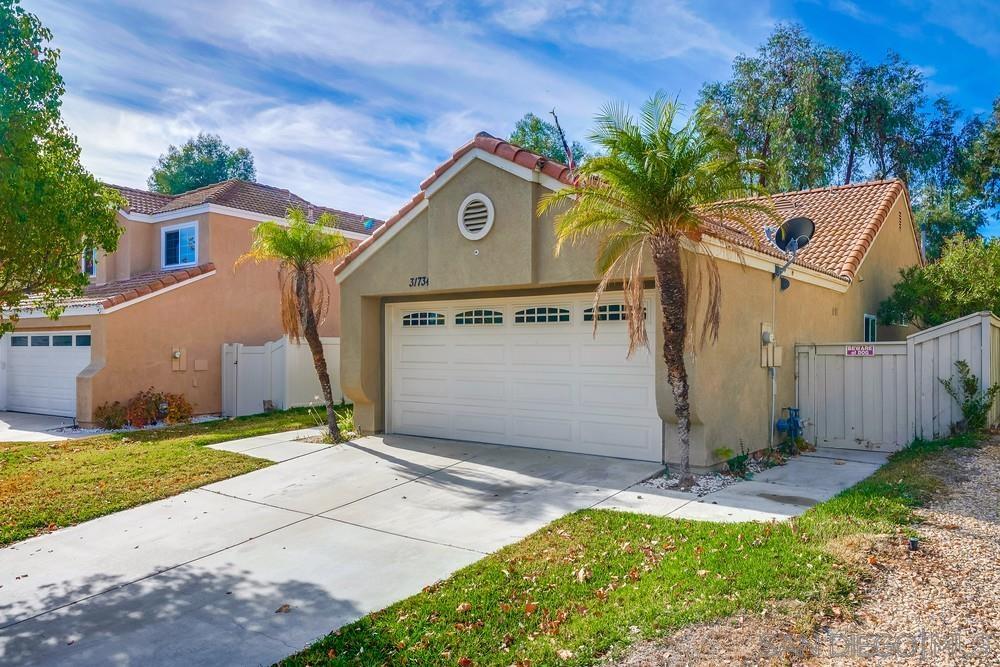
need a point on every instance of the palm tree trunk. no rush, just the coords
(310, 330)
(673, 303)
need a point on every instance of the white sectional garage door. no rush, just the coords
(41, 370)
(524, 371)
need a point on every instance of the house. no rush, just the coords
(160, 307)
(458, 321)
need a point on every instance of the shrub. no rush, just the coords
(736, 463)
(143, 409)
(110, 416)
(974, 402)
(346, 425)
(178, 410)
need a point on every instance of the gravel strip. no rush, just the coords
(939, 605)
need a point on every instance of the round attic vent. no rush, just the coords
(475, 216)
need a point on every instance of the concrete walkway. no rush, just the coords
(332, 532)
(777, 493)
(24, 427)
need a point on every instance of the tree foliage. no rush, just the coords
(542, 137)
(51, 208)
(965, 280)
(201, 161)
(653, 190)
(820, 116)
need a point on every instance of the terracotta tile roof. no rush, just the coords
(141, 201)
(847, 217)
(243, 195)
(120, 291)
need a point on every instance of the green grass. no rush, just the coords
(595, 581)
(48, 485)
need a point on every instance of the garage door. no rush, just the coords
(525, 372)
(42, 368)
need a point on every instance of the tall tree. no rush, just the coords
(300, 248)
(783, 105)
(983, 175)
(201, 161)
(51, 208)
(540, 136)
(653, 192)
(943, 205)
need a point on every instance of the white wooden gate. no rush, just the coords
(279, 372)
(885, 400)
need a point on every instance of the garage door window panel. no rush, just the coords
(39, 341)
(423, 319)
(19, 341)
(83, 341)
(479, 317)
(542, 315)
(62, 341)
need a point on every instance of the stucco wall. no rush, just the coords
(132, 347)
(730, 390)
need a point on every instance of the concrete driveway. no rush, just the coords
(24, 427)
(333, 532)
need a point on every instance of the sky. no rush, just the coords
(351, 105)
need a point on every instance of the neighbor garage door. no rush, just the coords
(41, 371)
(525, 371)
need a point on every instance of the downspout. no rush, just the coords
(772, 370)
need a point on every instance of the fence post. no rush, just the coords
(911, 387)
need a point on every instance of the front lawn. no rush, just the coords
(47, 485)
(596, 581)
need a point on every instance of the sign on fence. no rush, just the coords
(860, 351)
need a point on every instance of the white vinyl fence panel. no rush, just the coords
(886, 400)
(278, 372)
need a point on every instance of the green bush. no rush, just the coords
(974, 402)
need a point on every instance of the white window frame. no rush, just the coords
(558, 306)
(874, 324)
(93, 263)
(163, 244)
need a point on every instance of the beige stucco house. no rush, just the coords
(458, 321)
(159, 309)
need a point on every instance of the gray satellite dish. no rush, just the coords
(789, 238)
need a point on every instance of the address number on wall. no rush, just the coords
(419, 281)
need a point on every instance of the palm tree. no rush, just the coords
(652, 194)
(300, 247)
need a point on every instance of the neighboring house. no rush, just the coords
(460, 322)
(159, 309)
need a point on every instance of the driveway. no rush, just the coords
(24, 427)
(332, 532)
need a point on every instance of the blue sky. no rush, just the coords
(351, 105)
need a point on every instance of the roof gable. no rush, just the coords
(847, 217)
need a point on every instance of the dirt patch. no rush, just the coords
(936, 605)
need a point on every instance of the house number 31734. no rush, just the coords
(419, 281)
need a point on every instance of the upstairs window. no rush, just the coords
(541, 315)
(871, 328)
(423, 319)
(89, 262)
(479, 316)
(179, 245)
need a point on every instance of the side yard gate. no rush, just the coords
(883, 395)
(278, 374)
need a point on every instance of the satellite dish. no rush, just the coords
(789, 238)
